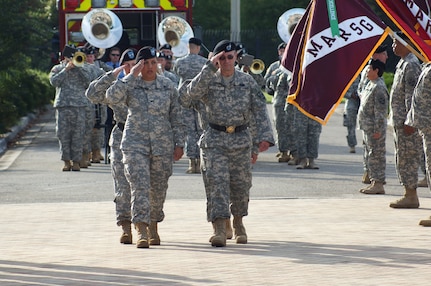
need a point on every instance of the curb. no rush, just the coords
(15, 130)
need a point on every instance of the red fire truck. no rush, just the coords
(139, 18)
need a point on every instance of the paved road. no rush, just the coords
(306, 227)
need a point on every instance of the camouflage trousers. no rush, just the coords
(349, 121)
(426, 140)
(308, 135)
(122, 193)
(148, 177)
(70, 125)
(281, 128)
(408, 152)
(291, 137)
(375, 156)
(98, 132)
(227, 179)
(193, 132)
(89, 123)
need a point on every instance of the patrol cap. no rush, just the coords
(381, 49)
(166, 47)
(128, 55)
(281, 46)
(146, 53)
(195, 41)
(224, 45)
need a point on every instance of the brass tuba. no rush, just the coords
(102, 28)
(287, 22)
(175, 31)
(257, 66)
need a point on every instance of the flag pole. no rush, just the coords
(413, 50)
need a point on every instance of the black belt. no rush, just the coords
(228, 129)
(121, 126)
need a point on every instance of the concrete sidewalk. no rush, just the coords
(291, 242)
(305, 227)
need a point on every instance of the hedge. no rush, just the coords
(21, 93)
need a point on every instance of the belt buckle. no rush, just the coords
(230, 129)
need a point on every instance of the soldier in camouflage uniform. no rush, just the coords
(90, 114)
(233, 101)
(350, 114)
(153, 138)
(372, 121)
(96, 93)
(380, 54)
(70, 102)
(161, 59)
(187, 68)
(408, 143)
(419, 116)
(273, 71)
(284, 135)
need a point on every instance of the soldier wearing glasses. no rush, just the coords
(238, 120)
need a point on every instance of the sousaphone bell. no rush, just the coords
(175, 31)
(287, 22)
(102, 28)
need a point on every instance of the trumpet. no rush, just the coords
(257, 66)
(79, 59)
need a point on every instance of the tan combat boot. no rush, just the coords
(126, 237)
(366, 178)
(409, 201)
(376, 188)
(229, 231)
(96, 156)
(425, 222)
(240, 234)
(154, 236)
(283, 157)
(423, 183)
(84, 160)
(219, 238)
(311, 164)
(302, 164)
(293, 161)
(192, 167)
(76, 166)
(67, 166)
(142, 229)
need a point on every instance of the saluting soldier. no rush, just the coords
(233, 102)
(153, 138)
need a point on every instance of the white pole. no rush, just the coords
(235, 20)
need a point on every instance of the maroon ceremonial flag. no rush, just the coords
(323, 65)
(413, 18)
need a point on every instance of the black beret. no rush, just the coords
(161, 55)
(146, 53)
(381, 49)
(168, 57)
(166, 47)
(404, 37)
(195, 41)
(90, 50)
(224, 45)
(128, 55)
